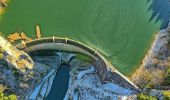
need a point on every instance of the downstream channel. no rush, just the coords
(60, 84)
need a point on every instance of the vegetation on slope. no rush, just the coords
(145, 97)
(166, 95)
(6, 97)
(167, 79)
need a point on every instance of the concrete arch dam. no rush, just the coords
(104, 69)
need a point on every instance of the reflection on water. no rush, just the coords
(160, 11)
(60, 84)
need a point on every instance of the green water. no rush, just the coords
(119, 29)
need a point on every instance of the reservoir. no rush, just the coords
(122, 30)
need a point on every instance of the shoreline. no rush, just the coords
(147, 54)
(155, 59)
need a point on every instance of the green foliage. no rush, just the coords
(167, 80)
(5, 98)
(145, 97)
(1, 94)
(1, 55)
(10, 97)
(148, 86)
(2, 88)
(166, 95)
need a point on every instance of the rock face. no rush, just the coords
(43, 87)
(14, 57)
(22, 84)
(3, 4)
(16, 69)
(34, 80)
(85, 84)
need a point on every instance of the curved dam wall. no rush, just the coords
(104, 69)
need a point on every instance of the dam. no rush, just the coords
(104, 69)
(60, 44)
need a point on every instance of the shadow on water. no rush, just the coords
(60, 84)
(160, 11)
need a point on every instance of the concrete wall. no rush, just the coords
(105, 70)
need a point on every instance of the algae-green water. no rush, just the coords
(119, 29)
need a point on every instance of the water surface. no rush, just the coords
(120, 29)
(60, 84)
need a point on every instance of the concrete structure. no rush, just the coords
(105, 70)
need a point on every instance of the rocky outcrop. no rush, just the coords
(19, 74)
(14, 57)
(43, 87)
(85, 83)
(16, 69)
(3, 3)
